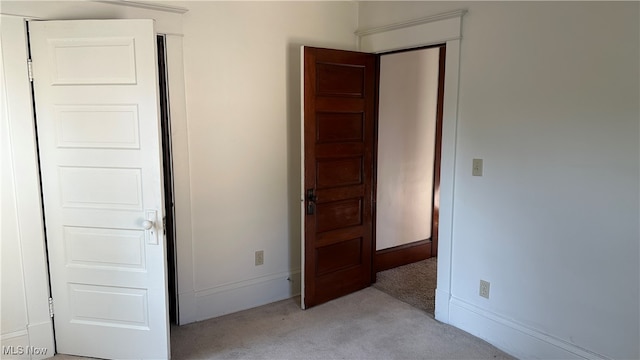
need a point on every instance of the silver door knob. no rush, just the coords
(147, 224)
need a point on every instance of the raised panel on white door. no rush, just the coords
(84, 187)
(92, 61)
(118, 249)
(97, 126)
(109, 306)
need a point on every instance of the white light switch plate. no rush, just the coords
(477, 167)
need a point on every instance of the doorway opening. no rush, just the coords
(341, 100)
(167, 162)
(408, 172)
(409, 149)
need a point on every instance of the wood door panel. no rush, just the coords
(339, 172)
(338, 150)
(339, 105)
(338, 214)
(339, 283)
(339, 127)
(339, 133)
(335, 194)
(339, 256)
(339, 80)
(334, 236)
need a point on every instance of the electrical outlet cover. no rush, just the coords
(259, 257)
(485, 286)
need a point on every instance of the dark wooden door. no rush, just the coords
(340, 93)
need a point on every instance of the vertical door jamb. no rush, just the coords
(438, 152)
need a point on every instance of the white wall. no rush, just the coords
(13, 295)
(549, 99)
(242, 71)
(406, 146)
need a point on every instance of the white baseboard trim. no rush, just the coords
(34, 343)
(14, 345)
(13, 335)
(41, 336)
(442, 306)
(187, 308)
(514, 338)
(242, 295)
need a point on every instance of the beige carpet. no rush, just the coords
(368, 324)
(414, 283)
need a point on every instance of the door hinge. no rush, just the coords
(51, 307)
(30, 69)
(164, 225)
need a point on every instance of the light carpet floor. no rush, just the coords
(368, 324)
(414, 283)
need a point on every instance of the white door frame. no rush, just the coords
(39, 327)
(436, 29)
